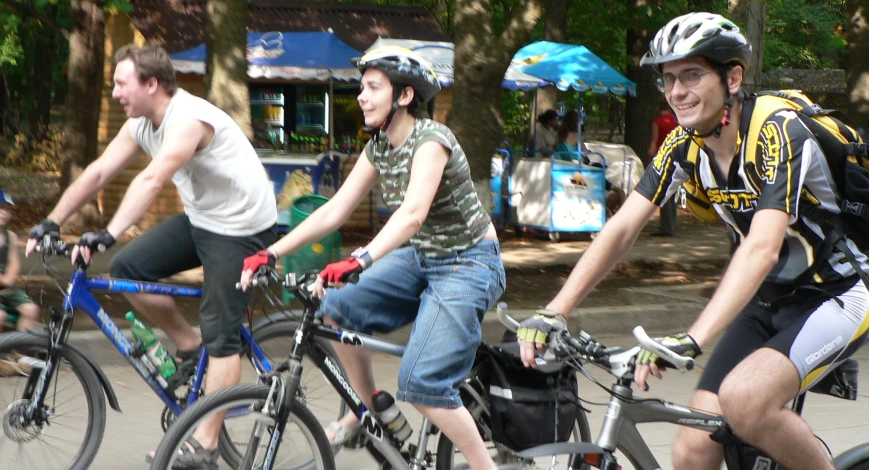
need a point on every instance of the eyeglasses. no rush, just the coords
(687, 79)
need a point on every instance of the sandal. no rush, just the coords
(196, 459)
(344, 435)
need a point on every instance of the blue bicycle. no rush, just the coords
(53, 393)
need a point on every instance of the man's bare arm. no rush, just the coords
(179, 144)
(616, 238)
(119, 153)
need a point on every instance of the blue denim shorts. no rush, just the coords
(446, 298)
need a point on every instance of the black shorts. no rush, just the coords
(174, 246)
(815, 334)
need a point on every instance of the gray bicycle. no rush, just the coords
(624, 412)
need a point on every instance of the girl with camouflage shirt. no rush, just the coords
(438, 262)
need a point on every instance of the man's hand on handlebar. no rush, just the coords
(38, 233)
(90, 243)
(649, 363)
(533, 334)
(253, 262)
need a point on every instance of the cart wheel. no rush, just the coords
(518, 231)
(554, 237)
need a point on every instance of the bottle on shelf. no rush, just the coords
(390, 414)
(153, 349)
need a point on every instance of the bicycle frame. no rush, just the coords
(305, 344)
(78, 296)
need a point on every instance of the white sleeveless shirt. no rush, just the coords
(224, 186)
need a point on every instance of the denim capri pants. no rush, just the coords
(446, 298)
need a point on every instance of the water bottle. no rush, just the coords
(153, 349)
(390, 414)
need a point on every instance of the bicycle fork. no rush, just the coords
(36, 385)
(279, 396)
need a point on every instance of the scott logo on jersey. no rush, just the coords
(738, 200)
(770, 141)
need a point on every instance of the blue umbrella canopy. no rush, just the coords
(571, 66)
(284, 54)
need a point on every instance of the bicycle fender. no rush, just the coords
(104, 381)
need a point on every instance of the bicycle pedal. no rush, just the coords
(357, 442)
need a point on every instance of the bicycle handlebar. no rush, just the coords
(619, 361)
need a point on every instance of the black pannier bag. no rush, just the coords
(526, 403)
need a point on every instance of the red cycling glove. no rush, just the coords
(261, 258)
(338, 272)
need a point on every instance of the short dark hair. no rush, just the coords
(547, 116)
(151, 62)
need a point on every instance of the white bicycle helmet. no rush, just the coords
(404, 67)
(698, 35)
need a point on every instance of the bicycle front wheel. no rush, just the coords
(856, 458)
(67, 429)
(303, 445)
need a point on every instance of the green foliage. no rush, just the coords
(10, 48)
(804, 34)
(516, 111)
(122, 5)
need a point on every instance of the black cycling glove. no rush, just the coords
(97, 241)
(46, 227)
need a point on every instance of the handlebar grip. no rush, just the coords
(352, 278)
(680, 362)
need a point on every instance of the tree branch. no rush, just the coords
(29, 10)
(517, 32)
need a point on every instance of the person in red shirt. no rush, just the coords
(661, 126)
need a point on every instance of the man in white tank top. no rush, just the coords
(229, 212)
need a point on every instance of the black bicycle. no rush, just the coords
(276, 421)
(624, 412)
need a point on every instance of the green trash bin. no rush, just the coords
(316, 255)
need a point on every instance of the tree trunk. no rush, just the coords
(555, 30)
(640, 110)
(85, 84)
(756, 21)
(226, 70)
(46, 46)
(857, 61)
(480, 63)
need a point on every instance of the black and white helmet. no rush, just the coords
(698, 35)
(404, 67)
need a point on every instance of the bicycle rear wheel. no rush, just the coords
(303, 445)
(72, 417)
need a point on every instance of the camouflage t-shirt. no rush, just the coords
(456, 220)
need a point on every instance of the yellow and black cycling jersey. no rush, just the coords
(786, 172)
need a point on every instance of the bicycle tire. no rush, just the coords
(446, 451)
(10, 344)
(311, 383)
(856, 458)
(240, 397)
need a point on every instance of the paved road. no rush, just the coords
(130, 435)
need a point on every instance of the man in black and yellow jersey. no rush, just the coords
(790, 309)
